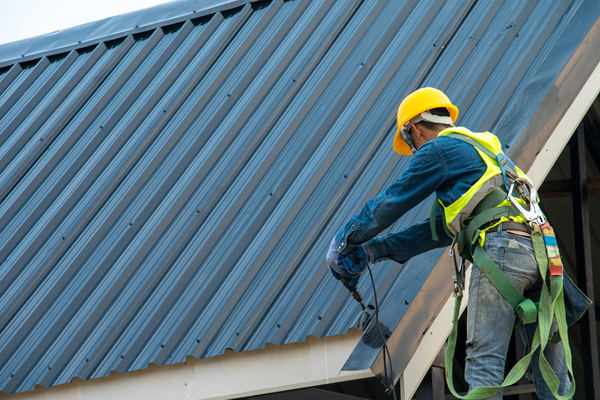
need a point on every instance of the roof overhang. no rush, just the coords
(231, 375)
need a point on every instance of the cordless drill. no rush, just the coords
(354, 290)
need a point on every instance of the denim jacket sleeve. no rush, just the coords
(407, 243)
(426, 172)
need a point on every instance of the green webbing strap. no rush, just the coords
(487, 216)
(435, 208)
(525, 308)
(483, 392)
(491, 200)
(549, 308)
(470, 227)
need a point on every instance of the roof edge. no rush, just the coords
(92, 33)
(231, 375)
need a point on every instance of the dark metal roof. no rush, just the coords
(172, 191)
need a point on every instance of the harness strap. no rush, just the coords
(504, 162)
(484, 392)
(435, 208)
(550, 306)
(492, 199)
(525, 308)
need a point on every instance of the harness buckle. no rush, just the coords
(534, 214)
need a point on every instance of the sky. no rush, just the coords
(20, 19)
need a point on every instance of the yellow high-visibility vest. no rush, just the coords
(462, 208)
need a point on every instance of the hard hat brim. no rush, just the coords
(400, 145)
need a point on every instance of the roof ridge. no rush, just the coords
(91, 33)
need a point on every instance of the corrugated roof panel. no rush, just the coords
(226, 206)
(144, 196)
(190, 176)
(513, 48)
(307, 221)
(31, 132)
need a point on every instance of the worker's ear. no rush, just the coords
(417, 131)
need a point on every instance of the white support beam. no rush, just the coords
(232, 375)
(431, 344)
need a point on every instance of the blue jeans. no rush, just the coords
(490, 318)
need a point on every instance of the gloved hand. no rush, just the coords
(347, 268)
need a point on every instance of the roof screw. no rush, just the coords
(193, 10)
(506, 145)
(228, 94)
(63, 238)
(293, 80)
(279, 325)
(406, 302)
(434, 45)
(131, 223)
(49, 368)
(164, 110)
(345, 175)
(101, 127)
(237, 334)
(122, 356)
(197, 340)
(162, 346)
(137, 26)
(362, 63)
(87, 359)
(79, 41)
(320, 318)
(270, 194)
(12, 375)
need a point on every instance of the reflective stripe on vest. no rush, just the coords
(456, 212)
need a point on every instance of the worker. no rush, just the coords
(446, 161)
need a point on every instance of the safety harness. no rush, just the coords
(500, 205)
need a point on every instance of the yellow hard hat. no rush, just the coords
(416, 103)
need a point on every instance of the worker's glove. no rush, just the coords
(347, 268)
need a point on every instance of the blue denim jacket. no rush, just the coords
(444, 165)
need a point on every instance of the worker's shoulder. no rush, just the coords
(453, 149)
(445, 142)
